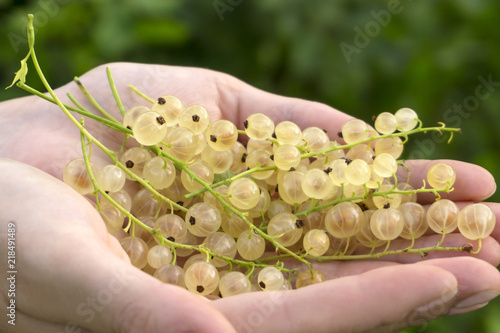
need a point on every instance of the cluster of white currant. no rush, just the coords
(189, 194)
(205, 199)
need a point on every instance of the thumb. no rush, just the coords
(71, 272)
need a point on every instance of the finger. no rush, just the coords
(495, 207)
(247, 100)
(382, 297)
(473, 183)
(125, 299)
(105, 294)
(478, 282)
(25, 323)
(490, 249)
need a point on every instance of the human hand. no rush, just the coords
(73, 276)
(385, 292)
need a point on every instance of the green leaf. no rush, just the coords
(22, 72)
(223, 176)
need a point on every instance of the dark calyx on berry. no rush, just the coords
(129, 164)
(161, 100)
(160, 120)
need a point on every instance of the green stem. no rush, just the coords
(108, 152)
(421, 251)
(138, 92)
(80, 110)
(479, 245)
(442, 238)
(229, 180)
(93, 101)
(373, 194)
(115, 93)
(392, 135)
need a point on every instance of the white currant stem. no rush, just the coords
(115, 93)
(392, 135)
(138, 92)
(111, 154)
(80, 110)
(479, 246)
(421, 251)
(93, 101)
(229, 180)
(442, 238)
(384, 194)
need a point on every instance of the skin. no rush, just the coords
(70, 270)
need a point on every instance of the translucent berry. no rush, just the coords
(355, 130)
(442, 216)
(343, 220)
(203, 219)
(316, 242)
(385, 123)
(258, 126)
(221, 135)
(387, 224)
(149, 128)
(270, 278)
(309, 277)
(201, 278)
(441, 175)
(251, 246)
(288, 132)
(244, 193)
(406, 119)
(76, 175)
(111, 178)
(234, 283)
(476, 221)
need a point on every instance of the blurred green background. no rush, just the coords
(362, 57)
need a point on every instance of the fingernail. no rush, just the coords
(456, 311)
(494, 190)
(475, 301)
(432, 310)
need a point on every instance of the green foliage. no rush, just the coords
(430, 56)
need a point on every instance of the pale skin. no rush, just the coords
(70, 270)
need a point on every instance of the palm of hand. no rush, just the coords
(74, 241)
